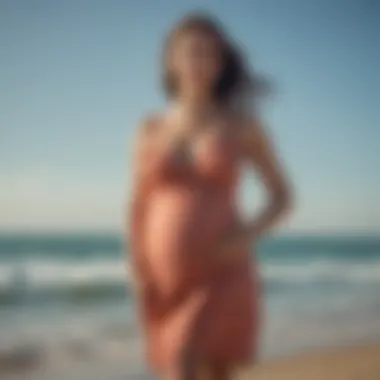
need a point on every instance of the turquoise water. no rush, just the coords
(60, 289)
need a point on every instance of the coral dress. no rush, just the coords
(194, 295)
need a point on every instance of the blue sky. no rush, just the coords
(76, 76)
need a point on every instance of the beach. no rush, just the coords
(67, 310)
(359, 362)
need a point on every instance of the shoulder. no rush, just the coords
(148, 127)
(248, 128)
(149, 123)
(252, 135)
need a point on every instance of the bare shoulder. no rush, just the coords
(249, 130)
(148, 128)
(149, 124)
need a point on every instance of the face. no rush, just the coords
(196, 62)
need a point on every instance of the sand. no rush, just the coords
(346, 363)
(349, 363)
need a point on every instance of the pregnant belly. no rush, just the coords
(182, 230)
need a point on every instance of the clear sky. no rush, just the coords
(76, 76)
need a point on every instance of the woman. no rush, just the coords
(197, 288)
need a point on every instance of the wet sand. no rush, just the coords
(348, 363)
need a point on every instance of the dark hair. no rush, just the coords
(236, 84)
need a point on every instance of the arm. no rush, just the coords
(260, 153)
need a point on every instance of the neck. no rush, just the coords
(195, 107)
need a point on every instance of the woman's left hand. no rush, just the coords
(237, 243)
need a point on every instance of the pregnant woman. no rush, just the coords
(197, 287)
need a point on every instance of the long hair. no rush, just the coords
(237, 86)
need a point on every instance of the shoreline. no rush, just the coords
(351, 362)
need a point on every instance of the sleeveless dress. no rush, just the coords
(194, 296)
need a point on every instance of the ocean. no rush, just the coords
(67, 309)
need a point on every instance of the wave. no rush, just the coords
(324, 270)
(103, 278)
(54, 279)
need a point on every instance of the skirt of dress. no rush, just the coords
(217, 318)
